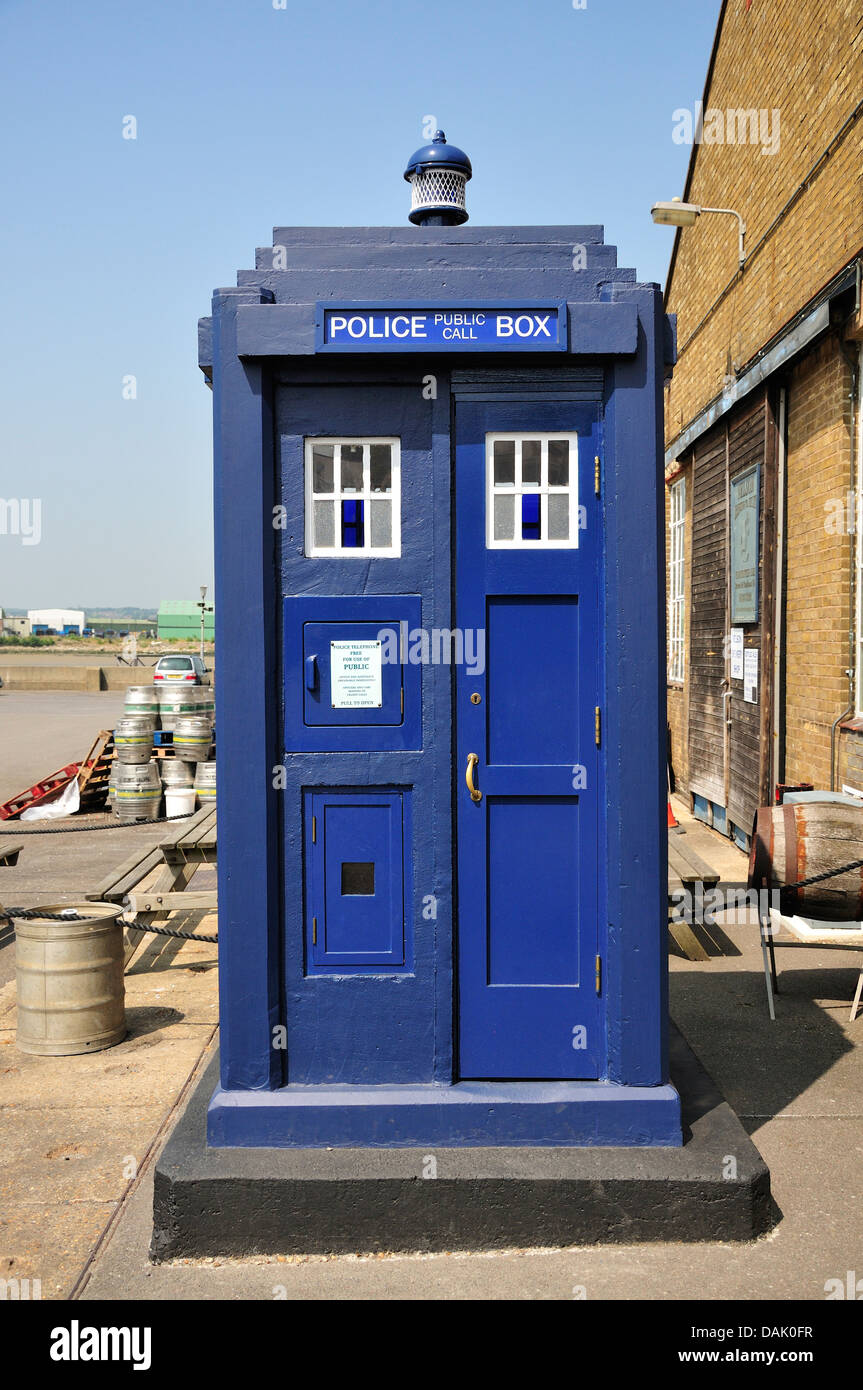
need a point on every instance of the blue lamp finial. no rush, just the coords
(437, 174)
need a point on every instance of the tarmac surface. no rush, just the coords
(78, 1135)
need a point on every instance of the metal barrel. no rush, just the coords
(176, 773)
(133, 739)
(71, 995)
(142, 700)
(182, 701)
(798, 840)
(203, 697)
(193, 738)
(205, 784)
(137, 791)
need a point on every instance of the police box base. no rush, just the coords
(242, 1201)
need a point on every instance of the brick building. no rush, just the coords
(764, 467)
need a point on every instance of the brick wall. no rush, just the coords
(803, 59)
(818, 606)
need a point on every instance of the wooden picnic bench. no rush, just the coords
(685, 870)
(186, 845)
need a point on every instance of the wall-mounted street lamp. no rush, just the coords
(679, 214)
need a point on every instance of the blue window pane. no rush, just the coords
(352, 525)
(530, 517)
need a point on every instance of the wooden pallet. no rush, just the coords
(95, 771)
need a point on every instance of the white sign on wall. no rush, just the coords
(355, 675)
(737, 653)
(750, 675)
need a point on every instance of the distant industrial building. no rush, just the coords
(14, 627)
(60, 620)
(179, 619)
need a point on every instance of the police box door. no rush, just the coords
(529, 789)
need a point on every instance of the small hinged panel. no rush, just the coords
(355, 875)
(350, 683)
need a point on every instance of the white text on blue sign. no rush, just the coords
(488, 328)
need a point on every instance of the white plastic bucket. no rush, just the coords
(179, 801)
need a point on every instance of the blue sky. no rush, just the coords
(249, 116)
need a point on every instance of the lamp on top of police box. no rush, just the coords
(437, 174)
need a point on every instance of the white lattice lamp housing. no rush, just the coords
(437, 174)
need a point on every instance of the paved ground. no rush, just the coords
(41, 731)
(70, 1126)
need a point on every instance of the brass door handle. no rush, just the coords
(475, 793)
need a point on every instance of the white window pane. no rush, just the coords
(352, 467)
(322, 467)
(531, 450)
(504, 462)
(381, 524)
(558, 516)
(325, 523)
(504, 517)
(558, 462)
(380, 467)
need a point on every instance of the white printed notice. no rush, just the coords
(750, 675)
(737, 653)
(355, 675)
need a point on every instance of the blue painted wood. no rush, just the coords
(344, 928)
(373, 1031)
(310, 624)
(471, 1114)
(249, 906)
(530, 899)
(384, 1025)
(635, 715)
(597, 329)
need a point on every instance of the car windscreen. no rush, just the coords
(175, 663)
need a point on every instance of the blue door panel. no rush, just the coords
(532, 656)
(318, 705)
(356, 847)
(531, 895)
(533, 898)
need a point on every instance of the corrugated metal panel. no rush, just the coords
(707, 623)
(746, 446)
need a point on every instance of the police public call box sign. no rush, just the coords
(425, 327)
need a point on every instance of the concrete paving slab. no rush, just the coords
(49, 1241)
(71, 1152)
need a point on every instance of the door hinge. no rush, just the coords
(315, 932)
(598, 726)
(314, 830)
(597, 475)
(599, 974)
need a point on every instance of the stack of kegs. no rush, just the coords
(134, 788)
(188, 713)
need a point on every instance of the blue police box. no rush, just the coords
(440, 686)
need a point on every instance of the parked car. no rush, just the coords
(180, 668)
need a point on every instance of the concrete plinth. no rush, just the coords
(235, 1201)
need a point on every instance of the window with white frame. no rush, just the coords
(531, 491)
(353, 497)
(676, 580)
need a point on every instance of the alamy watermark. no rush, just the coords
(734, 126)
(736, 904)
(22, 517)
(437, 646)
